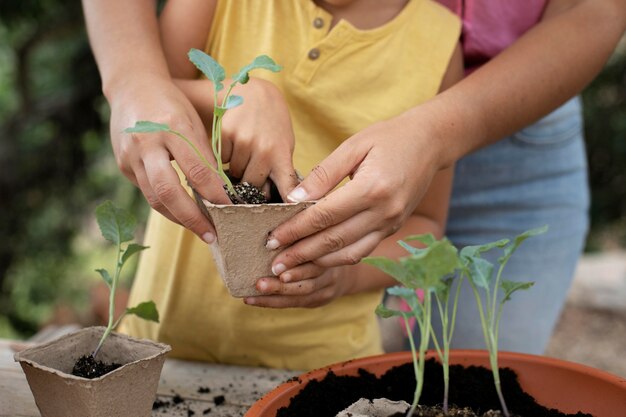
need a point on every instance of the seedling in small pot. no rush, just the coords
(216, 74)
(118, 227)
(431, 270)
(480, 274)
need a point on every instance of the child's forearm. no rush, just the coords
(368, 278)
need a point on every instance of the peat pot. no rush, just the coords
(239, 250)
(554, 383)
(128, 391)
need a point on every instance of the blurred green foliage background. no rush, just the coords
(56, 164)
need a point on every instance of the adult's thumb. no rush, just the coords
(327, 174)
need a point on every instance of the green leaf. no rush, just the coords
(117, 225)
(132, 249)
(144, 126)
(508, 251)
(262, 61)
(509, 287)
(411, 249)
(233, 101)
(475, 251)
(480, 272)
(384, 312)
(209, 67)
(427, 239)
(388, 266)
(105, 276)
(146, 310)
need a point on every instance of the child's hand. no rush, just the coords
(145, 159)
(307, 285)
(258, 137)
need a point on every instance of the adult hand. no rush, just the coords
(145, 157)
(390, 165)
(307, 285)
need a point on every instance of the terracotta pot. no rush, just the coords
(566, 386)
(242, 230)
(128, 391)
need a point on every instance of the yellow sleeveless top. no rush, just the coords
(336, 83)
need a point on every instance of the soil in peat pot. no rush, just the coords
(88, 367)
(249, 194)
(470, 387)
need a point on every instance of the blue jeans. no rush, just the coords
(535, 177)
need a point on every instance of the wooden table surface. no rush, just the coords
(239, 386)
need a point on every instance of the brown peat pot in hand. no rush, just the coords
(239, 250)
(565, 386)
(128, 391)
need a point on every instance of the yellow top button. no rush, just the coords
(314, 54)
(318, 23)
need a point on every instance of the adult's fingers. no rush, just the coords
(141, 180)
(165, 182)
(345, 241)
(329, 173)
(302, 272)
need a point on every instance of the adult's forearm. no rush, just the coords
(548, 65)
(125, 40)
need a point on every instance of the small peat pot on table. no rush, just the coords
(127, 391)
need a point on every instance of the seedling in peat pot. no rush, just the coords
(216, 74)
(117, 226)
(480, 274)
(431, 270)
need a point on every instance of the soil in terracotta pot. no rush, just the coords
(469, 387)
(88, 367)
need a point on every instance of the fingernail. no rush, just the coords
(249, 301)
(278, 269)
(208, 237)
(262, 285)
(272, 244)
(297, 195)
(285, 277)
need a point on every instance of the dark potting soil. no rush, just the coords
(88, 367)
(469, 387)
(249, 194)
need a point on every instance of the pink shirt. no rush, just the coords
(489, 26)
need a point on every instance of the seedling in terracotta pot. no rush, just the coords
(480, 274)
(216, 74)
(431, 270)
(117, 226)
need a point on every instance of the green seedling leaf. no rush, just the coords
(427, 239)
(146, 310)
(411, 249)
(480, 272)
(231, 101)
(407, 294)
(132, 249)
(388, 266)
(209, 67)
(116, 225)
(508, 251)
(262, 61)
(384, 312)
(144, 126)
(475, 251)
(509, 287)
(105, 276)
